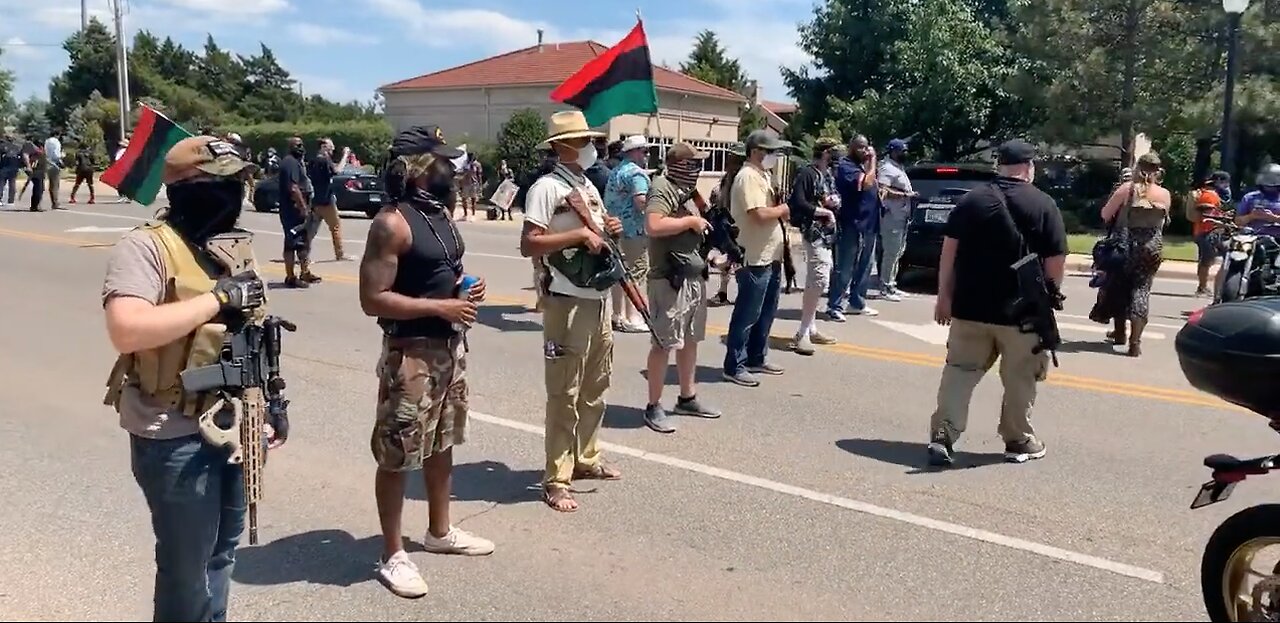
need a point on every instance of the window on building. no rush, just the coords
(715, 162)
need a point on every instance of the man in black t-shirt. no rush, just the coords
(295, 207)
(992, 228)
(324, 207)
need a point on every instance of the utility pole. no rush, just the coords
(84, 15)
(122, 65)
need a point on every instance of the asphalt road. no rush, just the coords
(807, 501)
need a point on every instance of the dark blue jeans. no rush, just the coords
(197, 506)
(854, 256)
(753, 314)
(9, 185)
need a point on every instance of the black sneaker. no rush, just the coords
(1022, 451)
(657, 420)
(941, 453)
(691, 406)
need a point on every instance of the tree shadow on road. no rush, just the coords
(913, 455)
(702, 375)
(496, 316)
(483, 481)
(329, 557)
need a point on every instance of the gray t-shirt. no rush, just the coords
(892, 175)
(136, 268)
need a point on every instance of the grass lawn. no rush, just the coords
(1179, 248)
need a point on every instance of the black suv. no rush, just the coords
(940, 187)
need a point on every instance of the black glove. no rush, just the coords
(240, 293)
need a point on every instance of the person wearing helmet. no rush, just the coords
(1260, 209)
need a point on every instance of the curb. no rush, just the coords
(1169, 269)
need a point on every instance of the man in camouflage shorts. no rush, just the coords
(409, 280)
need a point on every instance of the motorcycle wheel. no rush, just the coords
(1233, 285)
(1227, 565)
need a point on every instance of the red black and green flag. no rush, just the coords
(618, 82)
(137, 174)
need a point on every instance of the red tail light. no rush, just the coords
(946, 170)
(1194, 318)
(353, 185)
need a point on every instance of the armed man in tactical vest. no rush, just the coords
(197, 375)
(565, 225)
(411, 279)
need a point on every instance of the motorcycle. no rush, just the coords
(1251, 267)
(1232, 350)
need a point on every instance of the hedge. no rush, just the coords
(368, 140)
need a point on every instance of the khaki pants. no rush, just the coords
(578, 351)
(330, 215)
(972, 348)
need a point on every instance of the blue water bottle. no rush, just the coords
(464, 290)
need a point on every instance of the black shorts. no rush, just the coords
(294, 226)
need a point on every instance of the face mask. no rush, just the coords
(770, 161)
(298, 151)
(201, 210)
(439, 186)
(684, 174)
(586, 156)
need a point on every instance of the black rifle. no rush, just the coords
(1038, 298)
(246, 376)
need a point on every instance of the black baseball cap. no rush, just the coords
(1016, 151)
(423, 139)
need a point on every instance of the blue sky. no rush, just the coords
(345, 49)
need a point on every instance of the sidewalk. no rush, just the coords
(1169, 269)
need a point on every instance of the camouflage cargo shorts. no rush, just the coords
(422, 401)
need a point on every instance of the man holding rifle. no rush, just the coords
(677, 283)
(168, 303)
(565, 225)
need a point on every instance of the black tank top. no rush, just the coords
(428, 269)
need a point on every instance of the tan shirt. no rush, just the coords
(542, 207)
(136, 268)
(753, 189)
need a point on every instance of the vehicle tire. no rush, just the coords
(1233, 285)
(1239, 530)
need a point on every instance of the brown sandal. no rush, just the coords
(559, 499)
(599, 471)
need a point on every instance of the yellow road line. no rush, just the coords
(1086, 383)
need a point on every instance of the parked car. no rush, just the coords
(940, 187)
(353, 192)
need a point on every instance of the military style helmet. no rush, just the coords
(1269, 175)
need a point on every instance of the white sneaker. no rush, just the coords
(401, 576)
(458, 541)
(865, 311)
(893, 296)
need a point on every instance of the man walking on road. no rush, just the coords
(163, 301)
(992, 228)
(324, 207)
(577, 336)
(677, 285)
(409, 279)
(760, 217)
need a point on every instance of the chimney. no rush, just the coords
(539, 39)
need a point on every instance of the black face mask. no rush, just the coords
(298, 152)
(200, 210)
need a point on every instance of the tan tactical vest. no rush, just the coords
(156, 372)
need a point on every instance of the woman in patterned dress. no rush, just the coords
(1140, 210)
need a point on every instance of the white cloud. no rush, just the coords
(331, 88)
(316, 34)
(488, 29)
(17, 49)
(228, 8)
(65, 16)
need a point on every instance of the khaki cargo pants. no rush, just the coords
(578, 352)
(972, 348)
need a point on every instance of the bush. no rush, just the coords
(368, 140)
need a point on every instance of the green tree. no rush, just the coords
(92, 67)
(518, 140)
(33, 119)
(710, 62)
(269, 90)
(8, 108)
(221, 76)
(937, 71)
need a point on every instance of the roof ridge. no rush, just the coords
(456, 67)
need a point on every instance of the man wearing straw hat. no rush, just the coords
(578, 339)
